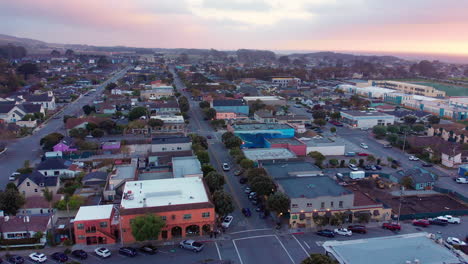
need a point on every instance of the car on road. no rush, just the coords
(227, 221)
(81, 254)
(243, 180)
(15, 259)
(413, 158)
(60, 257)
(352, 167)
(246, 212)
(326, 233)
(102, 252)
(14, 175)
(226, 167)
(37, 257)
(362, 154)
(391, 226)
(358, 229)
(378, 167)
(421, 222)
(427, 164)
(149, 249)
(343, 232)
(455, 241)
(387, 145)
(450, 219)
(461, 180)
(336, 123)
(128, 251)
(191, 244)
(364, 146)
(436, 221)
(368, 167)
(238, 172)
(247, 190)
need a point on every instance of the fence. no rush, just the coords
(433, 214)
(453, 193)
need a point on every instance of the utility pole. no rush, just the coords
(404, 141)
(399, 206)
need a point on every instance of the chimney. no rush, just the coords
(6, 218)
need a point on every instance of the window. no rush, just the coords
(56, 173)
(35, 190)
(80, 226)
(309, 204)
(163, 218)
(179, 148)
(164, 148)
(331, 204)
(103, 224)
(340, 204)
(322, 205)
(205, 215)
(81, 237)
(187, 216)
(28, 184)
(294, 205)
(294, 217)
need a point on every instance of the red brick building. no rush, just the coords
(96, 225)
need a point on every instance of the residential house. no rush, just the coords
(81, 122)
(172, 124)
(400, 115)
(450, 154)
(11, 113)
(38, 205)
(453, 132)
(171, 143)
(57, 167)
(34, 183)
(65, 145)
(157, 93)
(105, 108)
(98, 224)
(95, 178)
(20, 228)
(47, 100)
(421, 179)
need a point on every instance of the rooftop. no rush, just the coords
(279, 170)
(170, 140)
(233, 102)
(182, 166)
(363, 113)
(154, 193)
(311, 187)
(259, 126)
(263, 98)
(409, 247)
(268, 154)
(323, 141)
(95, 212)
(290, 141)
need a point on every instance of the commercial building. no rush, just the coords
(237, 106)
(96, 225)
(326, 146)
(293, 144)
(171, 143)
(374, 92)
(366, 119)
(268, 100)
(182, 203)
(286, 81)
(293, 168)
(409, 88)
(397, 98)
(254, 135)
(157, 93)
(259, 154)
(186, 167)
(409, 248)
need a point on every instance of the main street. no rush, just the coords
(28, 148)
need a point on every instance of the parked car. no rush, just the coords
(455, 241)
(38, 257)
(362, 154)
(353, 167)
(326, 233)
(238, 172)
(436, 221)
(461, 180)
(378, 167)
(247, 190)
(243, 180)
(149, 249)
(450, 219)
(421, 222)
(427, 164)
(102, 252)
(246, 212)
(368, 167)
(391, 226)
(128, 251)
(387, 145)
(350, 154)
(413, 158)
(60, 257)
(364, 146)
(226, 167)
(343, 232)
(14, 259)
(373, 167)
(81, 254)
(191, 245)
(227, 221)
(358, 229)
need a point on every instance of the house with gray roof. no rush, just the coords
(34, 183)
(421, 179)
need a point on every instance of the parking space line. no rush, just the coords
(217, 249)
(237, 251)
(307, 245)
(287, 252)
(295, 238)
(250, 237)
(251, 230)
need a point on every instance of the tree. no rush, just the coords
(154, 122)
(147, 227)
(319, 114)
(74, 202)
(11, 186)
(284, 60)
(97, 133)
(214, 180)
(111, 86)
(279, 203)
(361, 162)
(204, 104)
(410, 119)
(49, 197)
(333, 129)
(257, 105)
(78, 133)
(393, 129)
(342, 163)
(207, 168)
(210, 113)
(319, 259)
(223, 203)
(335, 115)
(247, 164)
(363, 217)
(27, 69)
(51, 140)
(379, 131)
(69, 53)
(137, 112)
(370, 158)
(10, 201)
(263, 185)
(87, 109)
(407, 182)
(184, 104)
(203, 157)
(338, 219)
(107, 125)
(317, 156)
(91, 126)
(55, 53)
(352, 161)
(255, 172)
(233, 142)
(320, 122)
(418, 128)
(227, 135)
(333, 162)
(433, 119)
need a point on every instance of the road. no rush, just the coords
(28, 148)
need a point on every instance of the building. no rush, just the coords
(409, 88)
(96, 225)
(117, 179)
(366, 119)
(230, 116)
(451, 154)
(255, 134)
(453, 132)
(286, 81)
(35, 183)
(186, 167)
(285, 169)
(47, 100)
(292, 144)
(17, 228)
(237, 106)
(183, 203)
(56, 167)
(373, 92)
(13, 113)
(421, 179)
(172, 143)
(400, 115)
(325, 145)
(408, 248)
(260, 154)
(268, 100)
(264, 116)
(95, 178)
(397, 98)
(172, 124)
(157, 93)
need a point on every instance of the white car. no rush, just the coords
(450, 219)
(413, 158)
(102, 252)
(455, 241)
(461, 180)
(364, 146)
(352, 167)
(226, 167)
(248, 190)
(227, 221)
(343, 232)
(38, 257)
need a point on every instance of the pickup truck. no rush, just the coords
(450, 219)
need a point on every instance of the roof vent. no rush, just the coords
(191, 197)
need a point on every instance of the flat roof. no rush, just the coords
(95, 212)
(391, 250)
(260, 126)
(185, 166)
(311, 187)
(263, 98)
(279, 170)
(170, 140)
(154, 193)
(290, 141)
(124, 172)
(268, 154)
(324, 141)
(364, 113)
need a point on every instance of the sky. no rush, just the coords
(402, 26)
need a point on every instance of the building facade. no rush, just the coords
(409, 88)
(364, 119)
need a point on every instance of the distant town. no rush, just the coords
(247, 156)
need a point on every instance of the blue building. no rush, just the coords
(237, 106)
(255, 135)
(462, 170)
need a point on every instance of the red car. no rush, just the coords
(421, 222)
(391, 226)
(357, 229)
(362, 154)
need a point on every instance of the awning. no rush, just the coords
(315, 214)
(362, 212)
(328, 213)
(301, 216)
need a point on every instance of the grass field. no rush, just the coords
(450, 90)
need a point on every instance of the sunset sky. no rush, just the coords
(424, 26)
